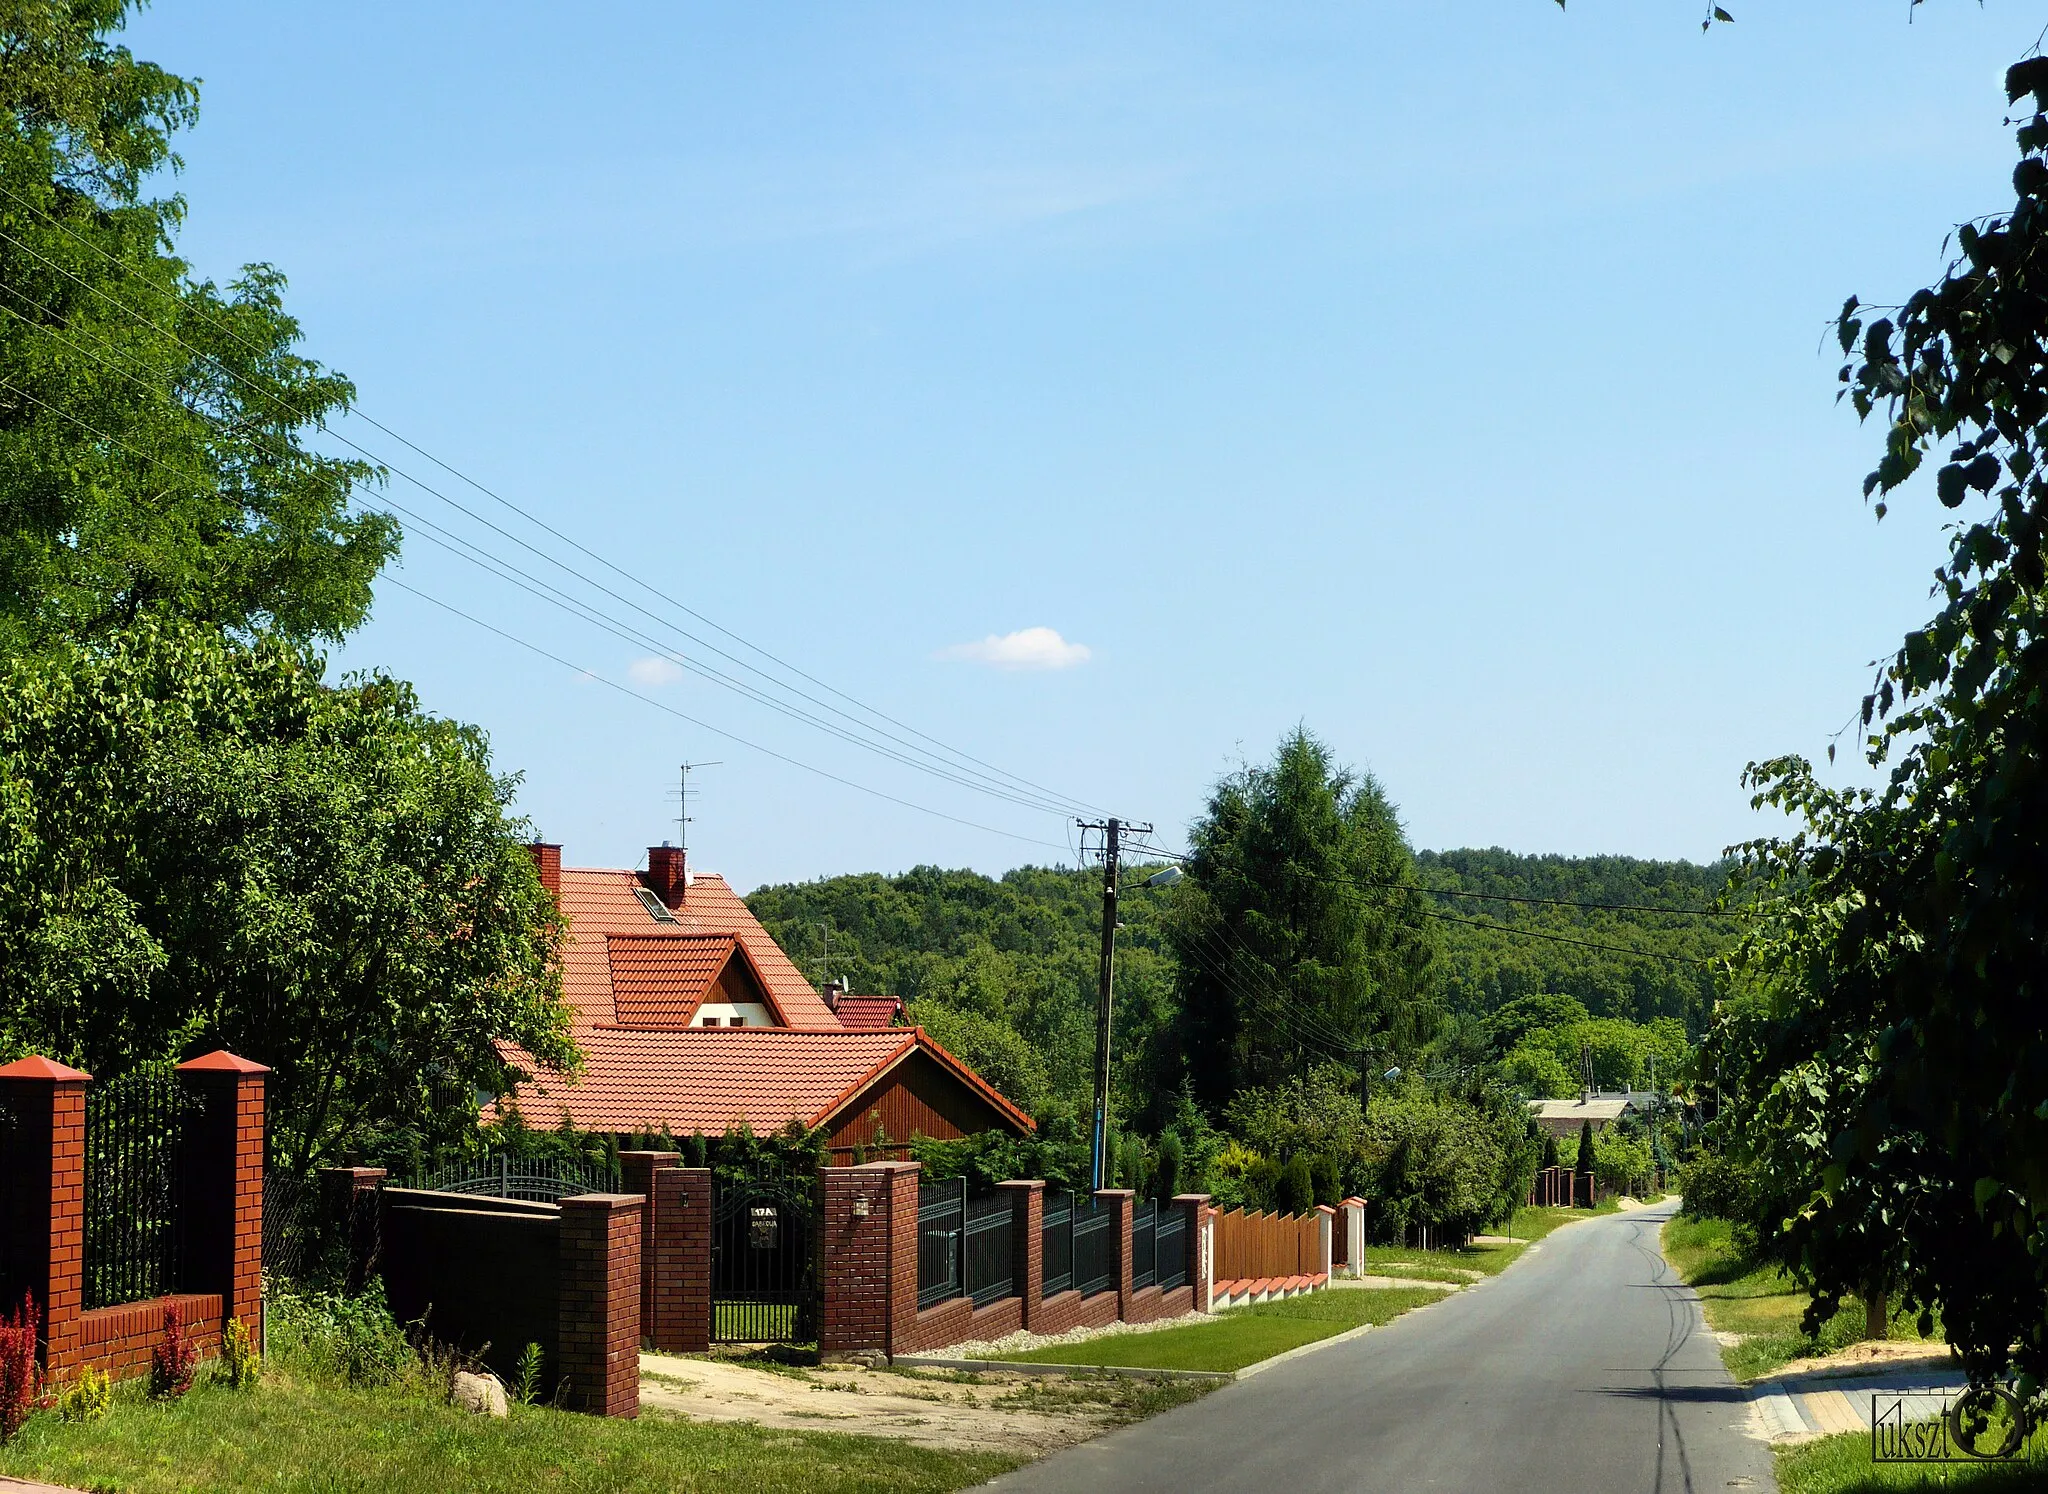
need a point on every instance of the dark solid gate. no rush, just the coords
(764, 1282)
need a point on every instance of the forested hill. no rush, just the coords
(1021, 949)
(1663, 974)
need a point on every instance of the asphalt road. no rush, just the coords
(1584, 1367)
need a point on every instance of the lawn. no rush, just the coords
(1842, 1465)
(1242, 1336)
(1528, 1225)
(289, 1435)
(1758, 1301)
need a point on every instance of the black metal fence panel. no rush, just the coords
(1096, 1257)
(536, 1179)
(10, 1287)
(292, 1234)
(1170, 1242)
(987, 1253)
(764, 1283)
(134, 1128)
(941, 1221)
(1144, 1258)
(1057, 1243)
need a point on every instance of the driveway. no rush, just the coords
(1584, 1368)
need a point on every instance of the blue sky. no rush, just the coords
(1450, 377)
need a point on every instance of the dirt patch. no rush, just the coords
(1008, 1413)
(1873, 1354)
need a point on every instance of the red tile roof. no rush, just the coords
(659, 980)
(709, 1080)
(869, 1013)
(599, 904)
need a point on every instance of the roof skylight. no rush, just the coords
(656, 908)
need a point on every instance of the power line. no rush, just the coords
(987, 771)
(98, 434)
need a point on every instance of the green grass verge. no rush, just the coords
(1758, 1301)
(1528, 1226)
(1242, 1336)
(288, 1435)
(1842, 1465)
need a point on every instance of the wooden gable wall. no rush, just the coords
(919, 1097)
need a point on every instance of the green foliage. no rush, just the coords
(1545, 1061)
(203, 846)
(1550, 1155)
(153, 458)
(1484, 971)
(1295, 939)
(1313, 1114)
(1451, 1162)
(526, 1379)
(348, 1339)
(1058, 1152)
(1328, 1182)
(1716, 1186)
(1171, 1176)
(88, 1397)
(1889, 1063)
(1297, 1192)
(1002, 972)
(1622, 1160)
(240, 1365)
(1587, 1156)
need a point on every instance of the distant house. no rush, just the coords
(691, 1018)
(1564, 1118)
(863, 1013)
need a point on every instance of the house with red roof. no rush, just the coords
(691, 1018)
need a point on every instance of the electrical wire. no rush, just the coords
(12, 388)
(986, 770)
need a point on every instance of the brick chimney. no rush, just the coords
(834, 989)
(667, 874)
(547, 860)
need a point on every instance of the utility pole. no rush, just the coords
(1113, 830)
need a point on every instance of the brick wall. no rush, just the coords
(222, 1266)
(636, 1175)
(855, 1249)
(680, 1321)
(598, 1299)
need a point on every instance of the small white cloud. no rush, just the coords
(654, 670)
(1027, 648)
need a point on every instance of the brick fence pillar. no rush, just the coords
(636, 1175)
(1120, 1200)
(859, 1271)
(348, 1220)
(680, 1320)
(1195, 1206)
(223, 1172)
(597, 1329)
(43, 1152)
(1027, 1246)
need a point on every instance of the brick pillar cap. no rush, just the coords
(220, 1061)
(1022, 1183)
(658, 1153)
(39, 1067)
(604, 1201)
(1191, 1198)
(1116, 1193)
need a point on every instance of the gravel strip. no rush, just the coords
(1012, 1343)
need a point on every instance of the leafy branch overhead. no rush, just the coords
(1887, 1035)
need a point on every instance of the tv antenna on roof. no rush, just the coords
(684, 793)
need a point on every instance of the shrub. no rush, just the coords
(1587, 1160)
(20, 1379)
(1329, 1187)
(1297, 1187)
(1621, 1160)
(334, 1335)
(173, 1360)
(1170, 1176)
(87, 1398)
(1715, 1187)
(240, 1365)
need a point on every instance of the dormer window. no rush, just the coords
(656, 908)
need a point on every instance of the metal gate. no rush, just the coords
(764, 1277)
